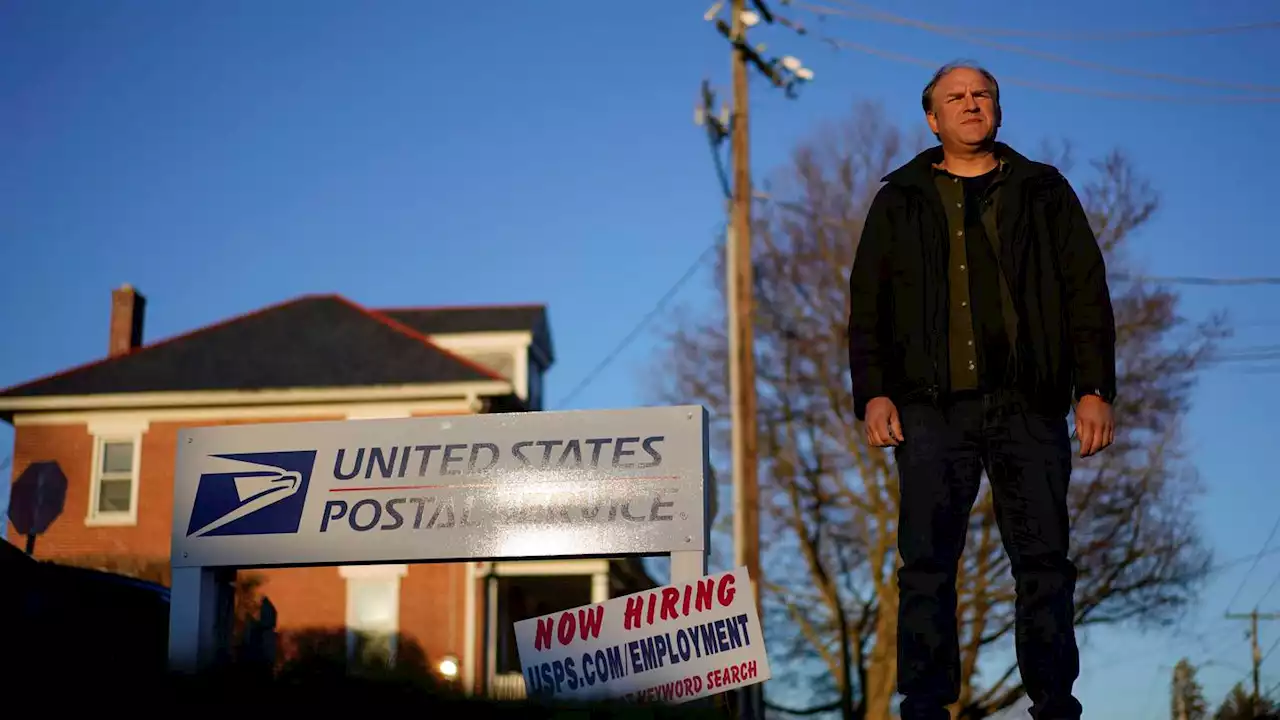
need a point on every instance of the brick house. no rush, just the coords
(112, 427)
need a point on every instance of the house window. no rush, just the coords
(373, 616)
(114, 497)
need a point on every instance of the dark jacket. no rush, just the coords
(898, 290)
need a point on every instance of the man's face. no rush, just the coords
(964, 108)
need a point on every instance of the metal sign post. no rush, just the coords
(582, 484)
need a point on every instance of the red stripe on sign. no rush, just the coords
(533, 485)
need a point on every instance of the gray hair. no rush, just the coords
(926, 97)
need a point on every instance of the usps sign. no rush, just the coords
(442, 488)
(673, 644)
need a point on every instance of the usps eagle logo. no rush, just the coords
(257, 494)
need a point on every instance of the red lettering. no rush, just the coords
(732, 675)
(670, 596)
(590, 619)
(703, 601)
(565, 628)
(726, 591)
(542, 635)
(631, 616)
(681, 688)
(671, 603)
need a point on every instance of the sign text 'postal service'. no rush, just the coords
(487, 486)
(673, 644)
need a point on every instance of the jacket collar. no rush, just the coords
(918, 171)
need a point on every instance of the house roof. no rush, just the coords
(311, 341)
(495, 318)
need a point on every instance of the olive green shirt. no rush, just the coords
(965, 373)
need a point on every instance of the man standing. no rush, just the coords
(979, 314)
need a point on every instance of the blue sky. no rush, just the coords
(225, 155)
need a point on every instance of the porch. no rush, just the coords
(515, 591)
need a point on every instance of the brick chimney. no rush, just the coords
(128, 307)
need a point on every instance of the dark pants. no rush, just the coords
(1028, 462)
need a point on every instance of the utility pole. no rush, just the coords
(786, 73)
(1253, 618)
(742, 359)
(746, 516)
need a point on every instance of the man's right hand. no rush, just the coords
(884, 429)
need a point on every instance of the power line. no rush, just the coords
(1237, 562)
(1198, 637)
(1066, 89)
(840, 43)
(1246, 354)
(1271, 649)
(1193, 280)
(1256, 559)
(1121, 34)
(638, 327)
(1108, 35)
(839, 224)
(1272, 586)
(866, 12)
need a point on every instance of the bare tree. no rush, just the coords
(829, 501)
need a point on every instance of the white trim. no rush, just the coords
(372, 572)
(599, 587)
(222, 398)
(534, 568)
(265, 412)
(521, 378)
(105, 425)
(104, 434)
(372, 412)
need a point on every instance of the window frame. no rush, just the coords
(100, 441)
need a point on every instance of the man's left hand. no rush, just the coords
(1095, 425)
